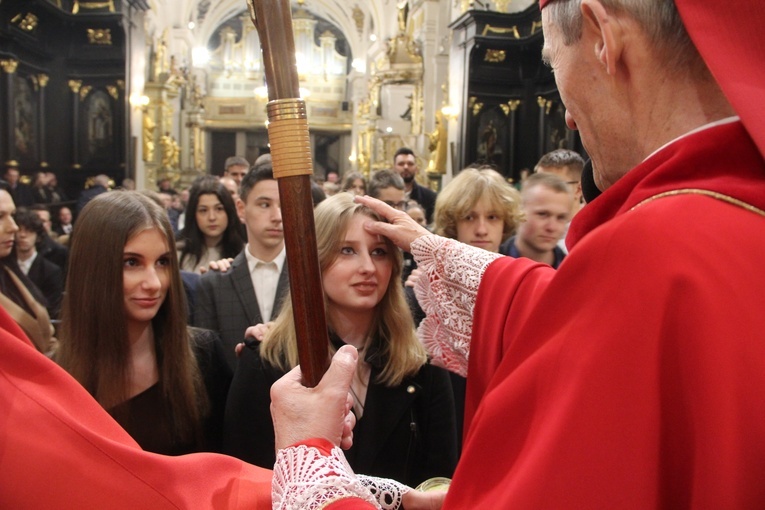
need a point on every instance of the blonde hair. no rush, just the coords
(392, 326)
(464, 191)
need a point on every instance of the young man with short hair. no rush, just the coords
(252, 290)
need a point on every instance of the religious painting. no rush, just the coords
(491, 139)
(25, 119)
(554, 132)
(99, 115)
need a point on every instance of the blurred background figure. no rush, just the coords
(46, 275)
(417, 213)
(18, 295)
(546, 204)
(354, 183)
(236, 167)
(212, 230)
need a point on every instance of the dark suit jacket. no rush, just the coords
(23, 195)
(49, 278)
(407, 432)
(54, 252)
(426, 197)
(89, 194)
(226, 303)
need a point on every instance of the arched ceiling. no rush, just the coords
(209, 14)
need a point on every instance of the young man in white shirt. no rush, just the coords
(252, 290)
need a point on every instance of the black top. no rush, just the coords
(147, 419)
(508, 248)
(407, 432)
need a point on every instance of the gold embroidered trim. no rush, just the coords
(712, 194)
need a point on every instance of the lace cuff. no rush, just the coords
(447, 293)
(304, 478)
(388, 493)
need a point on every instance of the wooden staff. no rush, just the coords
(291, 154)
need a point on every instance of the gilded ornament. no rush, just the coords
(112, 89)
(502, 5)
(358, 18)
(100, 36)
(148, 137)
(488, 29)
(92, 5)
(9, 65)
(27, 23)
(74, 85)
(84, 91)
(43, 79)
(495, 56)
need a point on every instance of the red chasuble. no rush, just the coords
(634, 376)
(60, 449)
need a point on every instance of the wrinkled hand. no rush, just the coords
(417, 500)
(221, 265)
(402, 229)
(413, 278)
(323, 412)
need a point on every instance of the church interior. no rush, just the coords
(155, 89)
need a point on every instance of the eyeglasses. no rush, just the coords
(396, 205)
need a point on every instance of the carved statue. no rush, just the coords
(160, 56)
(167, 144)
(437, 146)
(403, 15)
(148, 137)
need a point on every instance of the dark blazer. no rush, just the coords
(426, 197)
(22, 195)
(89, 194)
(406, 433)
(226, 303)
(54, 252)
(49, 278)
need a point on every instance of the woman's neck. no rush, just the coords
(144, 372)
(352, 327)
(212, 242)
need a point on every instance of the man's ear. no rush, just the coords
(605, 31)
(240, 208)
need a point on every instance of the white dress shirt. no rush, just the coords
(24, 265)
(265, 279)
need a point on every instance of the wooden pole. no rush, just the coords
(293, 167)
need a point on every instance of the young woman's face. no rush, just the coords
(8, 227)
(211, 217)
(358, 278)
(145, 274)
(357, 187)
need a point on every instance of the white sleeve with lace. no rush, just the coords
(388, 493)
(305, 479)
(447, 292)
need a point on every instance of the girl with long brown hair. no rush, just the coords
(124, 334)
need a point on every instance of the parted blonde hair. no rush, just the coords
(392, 325)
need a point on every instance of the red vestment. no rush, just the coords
(60, 449)
(633, 377)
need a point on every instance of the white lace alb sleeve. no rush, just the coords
(305, 479)
(447, 292)
(388, 493)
